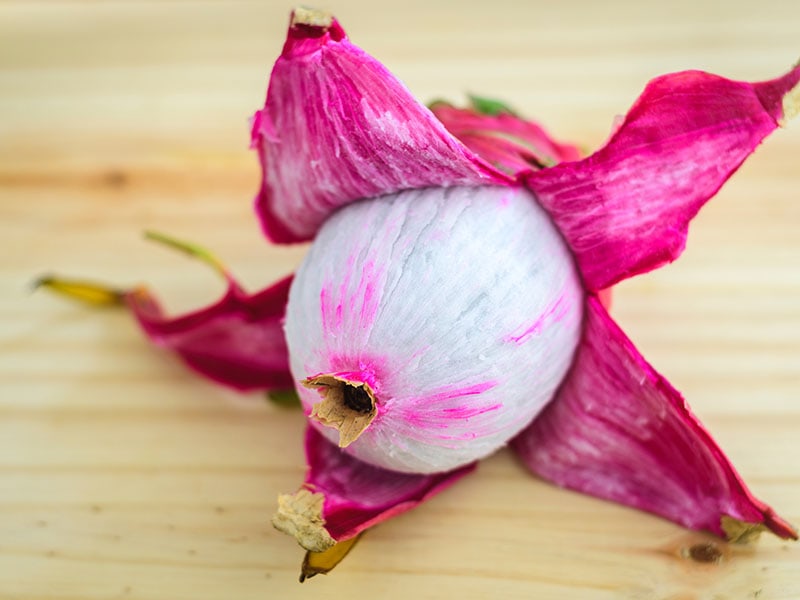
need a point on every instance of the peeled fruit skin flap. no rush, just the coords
(460, 308)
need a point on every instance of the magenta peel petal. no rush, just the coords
(356, 496)
(507, 142)
(237, 342)
(618, 430)
(338, 127)
(626, 208)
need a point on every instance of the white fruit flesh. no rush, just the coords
(460, 308)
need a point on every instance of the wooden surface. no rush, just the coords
(124, 476)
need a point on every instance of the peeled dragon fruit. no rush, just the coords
(454, 297)
(428, 303)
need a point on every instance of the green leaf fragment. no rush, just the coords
(284, 398)
(193, 250)
(490, 106)
(98, 294)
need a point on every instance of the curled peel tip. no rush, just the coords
(85, 292)
(300, 516)
(321, 563)
(311, 17)
(310, 30)
(780, 527)
(43, 281)
(791, 104)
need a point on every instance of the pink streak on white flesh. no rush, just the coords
(618, 430)
(338, 127)
(626, 208)
(460, 308)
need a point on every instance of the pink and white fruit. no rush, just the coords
(459, 309)
(451, 298)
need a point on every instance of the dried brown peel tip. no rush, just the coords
(321, 563)
(739, 532)
(791, 105)
(311, 17)
(347, 406)
(300, 516)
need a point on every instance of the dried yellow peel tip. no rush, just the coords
(300, 515)
(82, 291)
(791, 104)
(338, 408)
(739, 532)
(320, 563)
(312, 17)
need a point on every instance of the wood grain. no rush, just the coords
(123, 476)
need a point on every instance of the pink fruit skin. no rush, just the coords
(237, 342)
(618, 430)
(359, 138)
(358, 496)
(626, 208)
(507, 142)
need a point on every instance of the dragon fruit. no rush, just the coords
(429, 311)
(453, 298)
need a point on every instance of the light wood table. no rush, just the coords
(122, 475)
